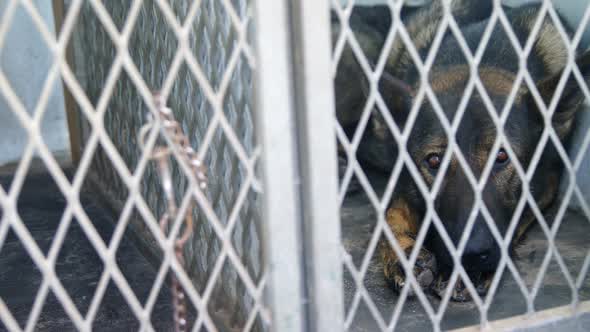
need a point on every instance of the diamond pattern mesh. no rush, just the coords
(198, 54)
(351, 48)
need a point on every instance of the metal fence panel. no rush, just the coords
(214, 109)
(372, 62)
(200, 56)
(214, 40)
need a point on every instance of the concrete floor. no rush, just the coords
(78, 266)
(358, 221)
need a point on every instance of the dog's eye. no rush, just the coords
(433, 161)
(502, 157)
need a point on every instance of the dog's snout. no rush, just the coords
(480, 261)
(481, 258)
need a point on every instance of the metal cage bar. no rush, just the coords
(276, 131)
(317, 147)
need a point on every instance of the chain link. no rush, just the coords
(161, 154)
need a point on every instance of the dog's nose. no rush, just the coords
(477, 260)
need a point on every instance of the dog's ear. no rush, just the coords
(351, 83)
(398, 96)
(571, 99)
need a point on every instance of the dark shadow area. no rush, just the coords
(79, 267)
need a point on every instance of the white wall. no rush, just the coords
(25, 60)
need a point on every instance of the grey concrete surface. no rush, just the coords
(578, 324)
(79, 268)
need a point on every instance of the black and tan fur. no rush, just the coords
(475, 136)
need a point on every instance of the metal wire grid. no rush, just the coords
(230, 217)
(375, 101)
(152, 48)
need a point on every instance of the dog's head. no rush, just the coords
(489, 163)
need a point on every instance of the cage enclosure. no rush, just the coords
(238, 165)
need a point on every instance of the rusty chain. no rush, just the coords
(160, 154)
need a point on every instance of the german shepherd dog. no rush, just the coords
(475, 137)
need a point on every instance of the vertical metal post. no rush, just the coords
(314, 101)
(275, 125)
(59, 11)
(296, 124)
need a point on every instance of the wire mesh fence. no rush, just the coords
(213, 41)
(418, 91)
(199, 55)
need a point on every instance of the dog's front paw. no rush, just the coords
(460, 293)
(424, 271)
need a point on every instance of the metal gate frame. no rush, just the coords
(295, 99)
